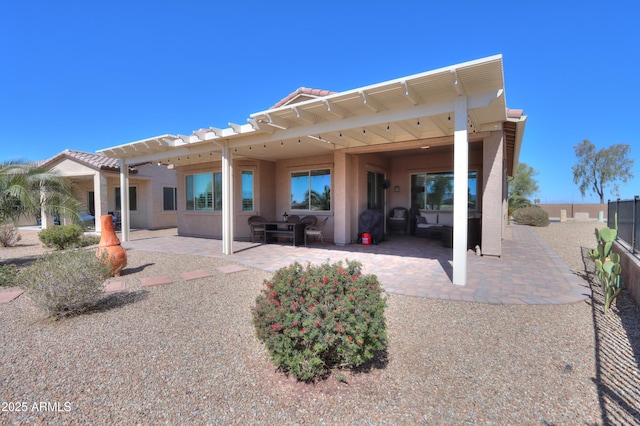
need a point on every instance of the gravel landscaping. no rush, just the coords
(186, 353)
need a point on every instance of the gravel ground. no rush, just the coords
(185, 353)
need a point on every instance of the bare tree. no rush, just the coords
(597, 169)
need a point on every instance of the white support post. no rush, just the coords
(460, 191)
(44, 219)
(100, 204)
(227, 200)
(124, 200)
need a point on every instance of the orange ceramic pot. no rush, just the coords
(115, 255)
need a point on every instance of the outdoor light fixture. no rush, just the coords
(396, 188)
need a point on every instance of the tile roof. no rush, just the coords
(96, 161)
(314, 93)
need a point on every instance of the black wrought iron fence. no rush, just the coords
(628, 212)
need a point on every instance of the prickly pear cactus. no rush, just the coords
(608, 267)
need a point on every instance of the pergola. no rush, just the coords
(454, 104)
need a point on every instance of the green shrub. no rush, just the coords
(88, 240)
(61, 237)
(315, 318)
(9, 235)
(8, 275)
(65, 283)
(532, 215)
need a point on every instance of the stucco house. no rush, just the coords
(328, 154)
(95, 179)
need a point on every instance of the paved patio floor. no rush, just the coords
(529, 272)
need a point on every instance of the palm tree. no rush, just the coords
(26, 188)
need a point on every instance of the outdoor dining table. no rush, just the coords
(292, 230)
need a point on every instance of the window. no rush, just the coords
(169, 199)
(133, 198)
(247, 190)
(311, 190)
(434, 191)
(204, 191)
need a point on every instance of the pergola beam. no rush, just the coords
(410, 93)
(335, 109)
(371, 103)
(305, 116)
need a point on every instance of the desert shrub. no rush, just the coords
(315, 318)
(8, 275)
(532, 215)
(9, 235)
(61, 237)
(65, 283)
(88, 240)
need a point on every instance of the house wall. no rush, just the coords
(151, 191)
(209, 223)
(283, 189)
(438, 160)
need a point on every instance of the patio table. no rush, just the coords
(290, 230)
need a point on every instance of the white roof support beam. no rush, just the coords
(371, 103)
(409, 129)
(381, 133)
(319, 140)
(188, 139)
(335, 109)
(236, 127)
(441, 125)
(410, 93)
(205, 134)
(335, 140)
(304, 115)
(395, 117)
(278, 123)
(456, 82)
(261, 126)
(358, 136)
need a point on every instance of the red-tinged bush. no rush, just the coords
(315, 318)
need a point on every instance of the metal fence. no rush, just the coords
(628, 221)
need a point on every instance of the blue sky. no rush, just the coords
(90, 75)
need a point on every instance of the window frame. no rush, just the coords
(253, 190)
(472, 174)
(309, 172)
(174, 192)
(216, 193)
(131, 204)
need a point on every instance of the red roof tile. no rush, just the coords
(314, 93)
(96, 161)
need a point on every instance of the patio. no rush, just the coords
(529, 272)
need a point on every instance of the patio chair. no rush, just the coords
(309, 220)
(316, 231)
(256, 223)
(398, 219)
